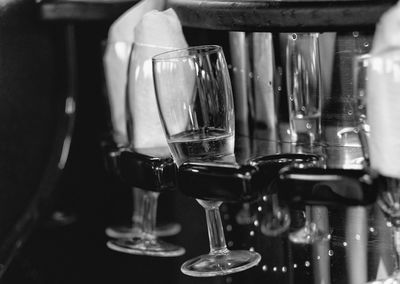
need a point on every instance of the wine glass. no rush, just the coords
(115, 61)
(377, 81)
(141, 236)
(195, 102)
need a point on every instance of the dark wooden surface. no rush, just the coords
(83, 11)
(279, 15)
(244, 15)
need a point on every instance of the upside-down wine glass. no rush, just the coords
(303, 80)
(377, 83)
(141, 236)
(195, 101)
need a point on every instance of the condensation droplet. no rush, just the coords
(279, 88)
(356, 34)
(372, 229)
(229, 228)
(308, 125)
(345, 244)
(275, 268)
(251, 249)
(294, 36)
(256, 223)
(259, 208)
(366, 44)
(307, 264)
(358, 237)
(264, 268)
(350, 112)
(284, 269)
(265, 198)
(330, 252)
(251, 233)
(295, 265)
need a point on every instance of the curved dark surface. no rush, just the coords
(281, 16)
(33, 121)
(82, 11)
(244, 15)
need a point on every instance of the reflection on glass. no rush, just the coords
(276, 218)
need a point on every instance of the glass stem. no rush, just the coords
(137, 201)
(396, 244)
(308, 215)
(214, 226)
(149, 213)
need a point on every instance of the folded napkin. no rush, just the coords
(383, 99)
(115, 62)
(157, 32)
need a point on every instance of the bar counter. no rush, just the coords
(357, 246)
(256, 15)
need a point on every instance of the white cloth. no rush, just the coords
(115, 62)
(157, 32)
(383, 99)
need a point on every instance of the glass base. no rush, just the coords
(393, 279)
(275, 222)
(273, 227)
(60, 218)
(244, 217)
(127, 232)
(308, 235)
(142, 246)
(220, 264)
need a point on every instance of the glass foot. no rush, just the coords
(393, 279)
(244, 217)
(127, 232)
(275, 224)
(61, 218)
(308, 235)
(142, 246)
(220, 264)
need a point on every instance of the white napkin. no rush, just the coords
(115, 62)
(383, 99)
(157, 32)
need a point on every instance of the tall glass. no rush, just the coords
(195, 102)
(360, 80)
(303, 81)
